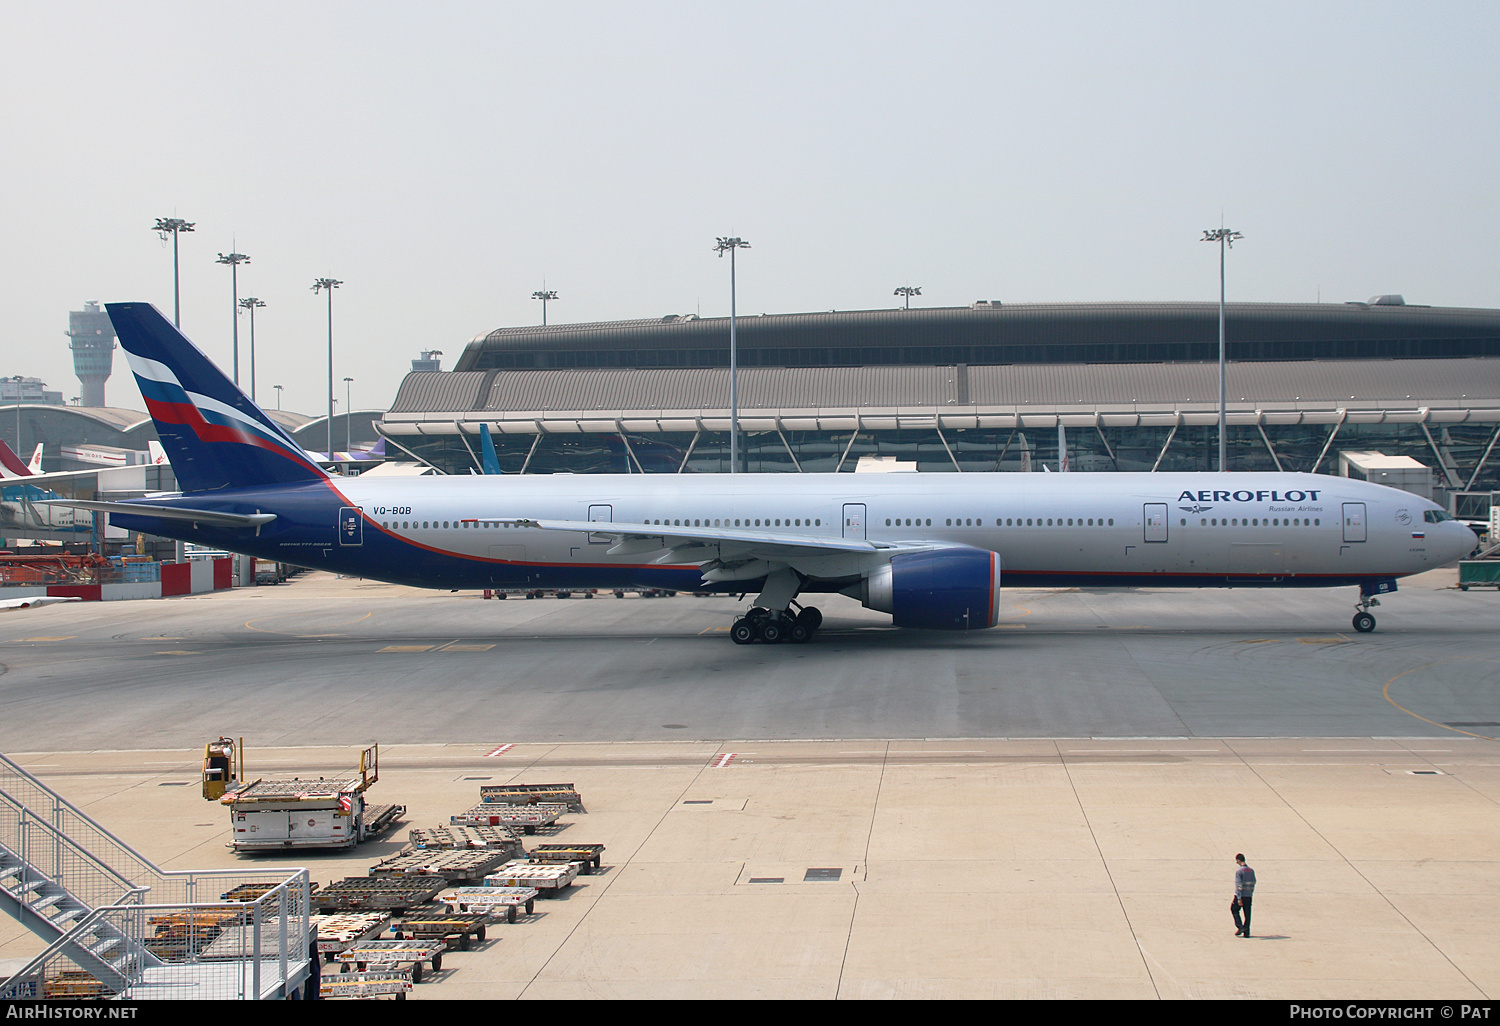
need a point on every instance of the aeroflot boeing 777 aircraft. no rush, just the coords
(927, 548)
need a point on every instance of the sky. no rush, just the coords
(445, 160)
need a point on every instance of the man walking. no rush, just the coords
(1244, 895)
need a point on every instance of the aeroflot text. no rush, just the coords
(1244, 495)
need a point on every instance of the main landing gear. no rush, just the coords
(761, 624)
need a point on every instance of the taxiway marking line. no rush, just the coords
(1386, 693)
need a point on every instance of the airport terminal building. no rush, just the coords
(982, 388)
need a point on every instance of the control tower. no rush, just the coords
(92, 339)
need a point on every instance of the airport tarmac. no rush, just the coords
(1048, 809)
(327, 661)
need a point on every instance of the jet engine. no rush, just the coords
(948, 589)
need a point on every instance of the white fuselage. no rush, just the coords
(1262, 528)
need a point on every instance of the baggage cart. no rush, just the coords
(500, 837)
(531, 794)
(372, 983)
(454, 865)
(339, 931)
(527, 817)
(489, 900)
(392, 954)
(547, 878)
(587, 856)
(371, 893)
(454, 929)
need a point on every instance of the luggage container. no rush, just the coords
(1478, 573)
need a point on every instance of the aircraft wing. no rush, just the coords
(730, 553)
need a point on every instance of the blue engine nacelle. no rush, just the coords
(952, 589)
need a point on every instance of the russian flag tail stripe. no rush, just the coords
(214, 436)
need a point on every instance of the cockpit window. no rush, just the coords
(1436, 516)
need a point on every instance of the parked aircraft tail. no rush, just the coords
(11, 466)
(214, 435)
(487, 450)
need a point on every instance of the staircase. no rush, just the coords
(84, 892)
(53, 913)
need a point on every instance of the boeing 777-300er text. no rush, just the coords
(926, 548)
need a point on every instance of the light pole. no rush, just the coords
(174, 225)
(234, 260)
(1225, 237)
(908, 291)
(18, 379)
(348, 409)
(278, 397)
(544, 295)
(730, 245)
(328, 285)
(250, 303)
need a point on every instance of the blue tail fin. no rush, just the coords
(215, 437)
(487, 450)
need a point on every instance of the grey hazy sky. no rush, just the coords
(443, 158)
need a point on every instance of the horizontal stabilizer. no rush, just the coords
(141, 509)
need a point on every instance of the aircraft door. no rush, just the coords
(602, 513)
(351, 526)
(1156, 521)
(1354, 521)
(854, 520)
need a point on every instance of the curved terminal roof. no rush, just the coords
(836, 398)
(996, 333)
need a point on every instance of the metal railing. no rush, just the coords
(221, 950)
(109, 855)
(60, 841)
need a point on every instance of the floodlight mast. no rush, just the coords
(907, 291)
(1226, 238)
(730, 245)
(234, 260)
(544, 295)
(174, 226)
(250, 303)
(348, 409)
(328, 285)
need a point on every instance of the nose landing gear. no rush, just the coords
(1364, 621)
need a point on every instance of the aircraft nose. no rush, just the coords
(1466, 540)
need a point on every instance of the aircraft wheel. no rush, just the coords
(743, 632)
(772, 631)
(812, 616)
(798, 633)
(1364, 622)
